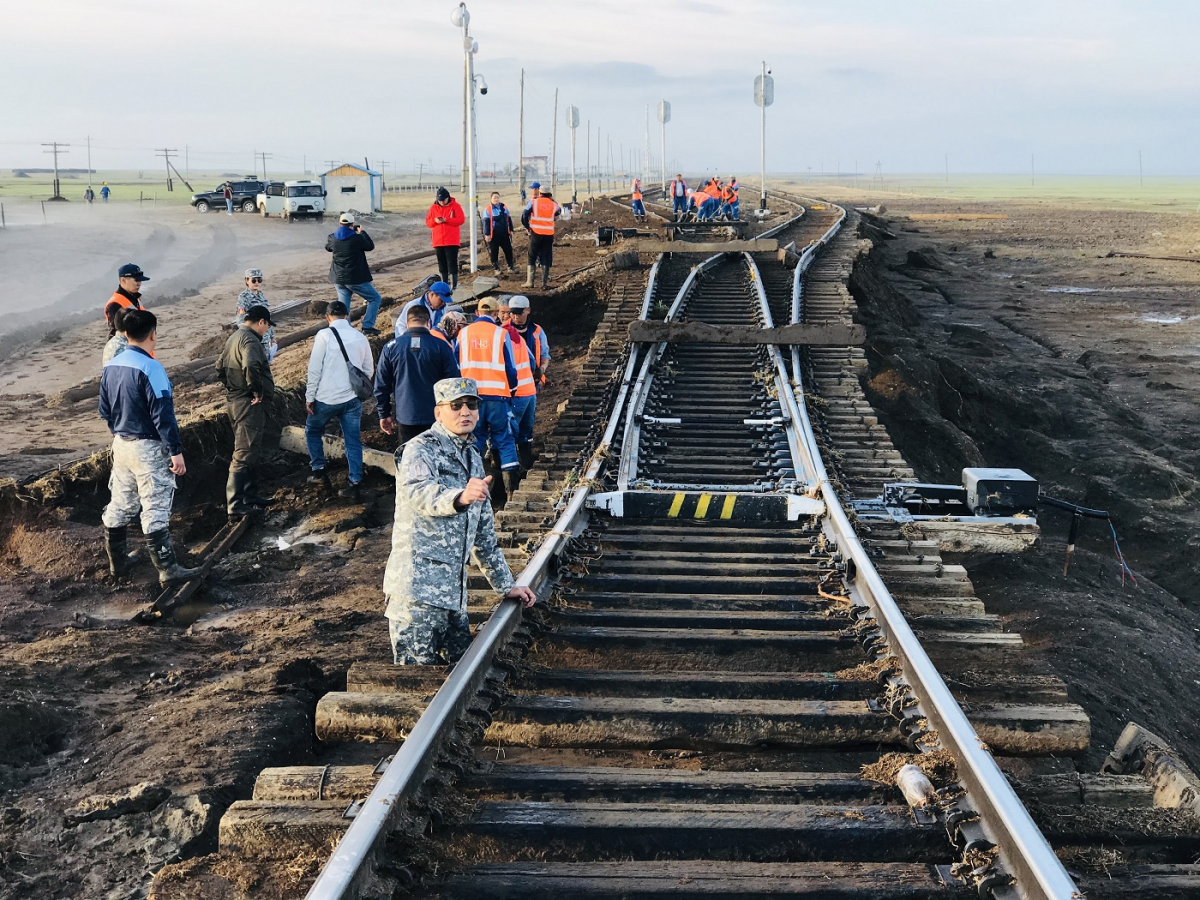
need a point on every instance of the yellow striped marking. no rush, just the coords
(702, 505)
(676, 505)
(727, 506)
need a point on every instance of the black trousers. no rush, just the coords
(496, 244)
(407, 432)
(447, 258)
(541, 250)
(249, 422)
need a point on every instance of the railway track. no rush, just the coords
(735, 690)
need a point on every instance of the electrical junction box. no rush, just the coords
(1000, 492)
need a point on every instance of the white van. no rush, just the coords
(293, 199)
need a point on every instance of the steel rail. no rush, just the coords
(1023, 849)
(344, 874)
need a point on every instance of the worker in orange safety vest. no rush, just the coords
(485, 353)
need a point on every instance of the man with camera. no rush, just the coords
(349, 271)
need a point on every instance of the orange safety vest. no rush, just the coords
(637, 189)
(535, 357)
(481, 356)
(119, 299)
(676, 182)
(713, 191)
(541, 216)
(525, 384)
(437, 333)
(727, 195)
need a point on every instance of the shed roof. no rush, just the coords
(352, 169)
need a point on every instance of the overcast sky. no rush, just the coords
(1083, 85)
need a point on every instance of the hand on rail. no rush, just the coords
(522, 593)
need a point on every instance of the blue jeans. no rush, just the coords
(733, 209)
(524, 409)
(229, 205)
(638, 208)
(496, 427)
(349, 416)
(367, 291)
(679, 206)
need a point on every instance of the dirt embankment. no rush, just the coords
(1013, 342)
(121, 745)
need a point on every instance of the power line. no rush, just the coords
(54, 145)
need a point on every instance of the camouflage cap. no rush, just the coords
(452, 388)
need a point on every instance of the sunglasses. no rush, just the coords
(468, 402)
(256, 281)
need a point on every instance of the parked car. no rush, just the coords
(245, 194)
(293, 199)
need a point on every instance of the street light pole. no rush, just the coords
(462, 19)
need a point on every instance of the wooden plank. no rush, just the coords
(369, 677)
(292, 438)
(653, 880)
(654, 332)
(281, 830)
(1033, 730)
(1150, 882)
(758, 832)
(708, 248)
(296, 784)
(365, 717)
(685, 723)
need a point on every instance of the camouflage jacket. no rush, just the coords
(431, 540)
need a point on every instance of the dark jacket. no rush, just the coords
(408, 368)
(243, 367)
(135, 399)
(349, 249)
(497, 220)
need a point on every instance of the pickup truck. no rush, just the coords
(244, 193)
(292, 199)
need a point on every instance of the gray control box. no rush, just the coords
(1000, 492)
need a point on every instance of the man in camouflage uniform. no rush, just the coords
(443, 520)
(147, 454)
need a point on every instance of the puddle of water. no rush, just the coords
(1070, 290)
(293, 538)
(1002, 274)
(1157, 319)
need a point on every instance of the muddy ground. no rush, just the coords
(121, 745)
(1017, 341)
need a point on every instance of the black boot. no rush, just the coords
(235, 495)
(253, 497)
(116, 545)
(525, 455)
(512, 481)
(162, 553)
(545, 277)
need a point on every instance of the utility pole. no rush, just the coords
(573, 124)
(646, 157)
(166, 155)
(331, 163)
(587, 165)
(664, 116)
(764, 96)
(303, 164)
(265, 157)
(89, 145)
(554, 144)
(521, 141)
(54, 148)
(462, 186)
(420, 173)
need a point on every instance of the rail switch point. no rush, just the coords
(999, 492)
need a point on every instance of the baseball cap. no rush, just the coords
(536, 184)
(443, 194)
(452, 388)
(259, 313)
(346, 219)
(453, 308)
(487, 305)
(518, 301)
(254, 273)
(337, 308)
(440, 287)
(132, 270)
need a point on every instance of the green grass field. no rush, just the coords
(1180, 195)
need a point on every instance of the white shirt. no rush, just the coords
(328, 377)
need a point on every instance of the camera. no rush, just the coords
(481, 83)
(483, 90)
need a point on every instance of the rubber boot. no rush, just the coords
(162, 553)
(529, 276)
(235, 494)
(116, 545)
(545, 276)
(252, 496)
(525, 455)
(512, 481)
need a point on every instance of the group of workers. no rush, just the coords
(445, 219)
(714, 201)
(447, 387)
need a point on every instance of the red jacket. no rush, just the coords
(446, 234)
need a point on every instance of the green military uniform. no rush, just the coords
(246, 374)
(425, 582)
